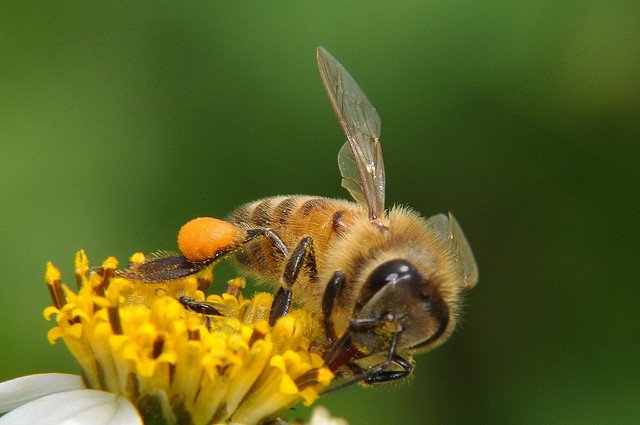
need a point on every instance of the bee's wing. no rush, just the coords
(360, 159)
(450, 231)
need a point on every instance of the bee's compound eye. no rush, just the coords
(201, 238)
(393, 271)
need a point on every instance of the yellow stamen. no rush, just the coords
(137, 339)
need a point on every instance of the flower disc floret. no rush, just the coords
(138, 340)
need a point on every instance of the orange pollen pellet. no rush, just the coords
(201, 238)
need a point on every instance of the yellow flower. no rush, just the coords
(137, 340)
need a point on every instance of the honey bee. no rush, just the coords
(386, 283)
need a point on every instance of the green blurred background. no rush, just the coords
(119, 122)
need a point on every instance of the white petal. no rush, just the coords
(321, 416)
(77, 407)
(19, 391)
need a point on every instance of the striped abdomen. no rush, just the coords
(292, 218)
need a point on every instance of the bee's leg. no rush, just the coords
(177, 266)
(302, 256)
(344, 350)
(328, 303)
(382, 372)
(269, 234)
(163, 269)
(200, 307)
(383, 375)
(390, 375)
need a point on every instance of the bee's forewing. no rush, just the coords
(361, 166)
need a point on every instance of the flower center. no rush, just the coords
(168, 358)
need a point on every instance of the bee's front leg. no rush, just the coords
(382, 373)
(302, 256)
(344, 352)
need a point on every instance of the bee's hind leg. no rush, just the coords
(302, 256)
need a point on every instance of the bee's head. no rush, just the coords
(395, 292)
